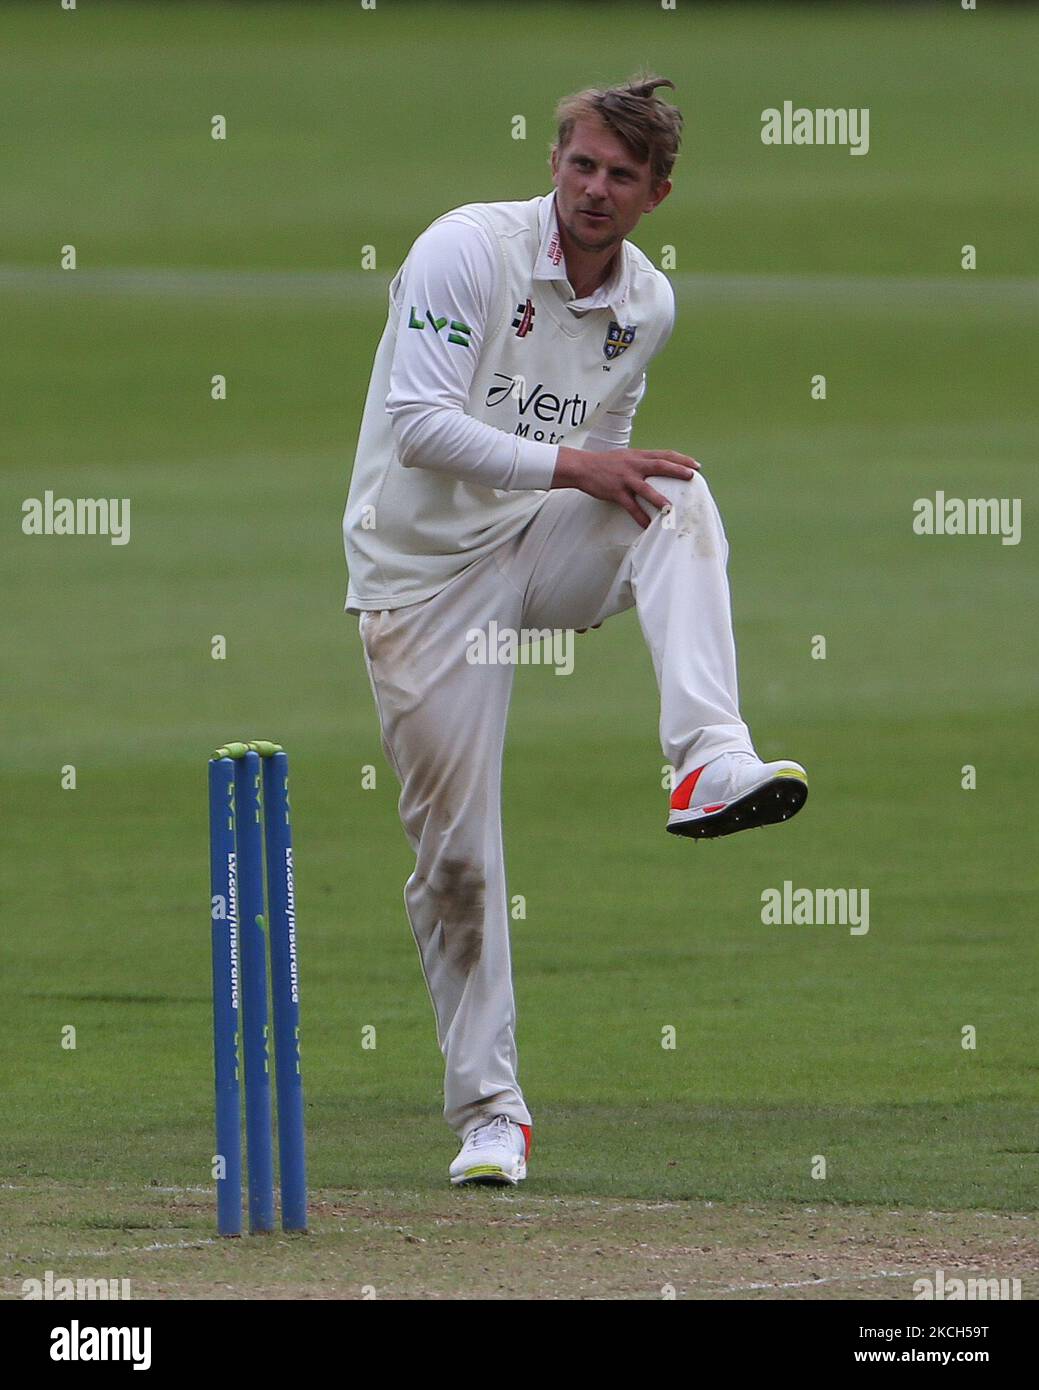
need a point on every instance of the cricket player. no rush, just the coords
(495, 484)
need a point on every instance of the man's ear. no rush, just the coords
(657, 195)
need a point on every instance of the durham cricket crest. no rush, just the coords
(617, 340)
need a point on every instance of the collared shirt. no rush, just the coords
(551, 265)
(454, 262)
(487, 365)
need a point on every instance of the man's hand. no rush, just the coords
(619, 475)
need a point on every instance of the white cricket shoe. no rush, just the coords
(736, 791)
(494, 1153)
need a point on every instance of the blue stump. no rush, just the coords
(281, 902)
(224, 918)
(259, 1143)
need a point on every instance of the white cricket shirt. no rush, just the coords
(486, 366)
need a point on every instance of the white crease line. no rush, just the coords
(137, 1249)
(174, 1245)
(828, 1279)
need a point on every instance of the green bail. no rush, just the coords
(232, 750)
(265, 748)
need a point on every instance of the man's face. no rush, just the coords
(595, 174)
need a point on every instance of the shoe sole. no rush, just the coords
(776, 800)
(489, 1175)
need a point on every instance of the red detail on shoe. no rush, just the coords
(709, 810)
(683, 793)
(526, 1139)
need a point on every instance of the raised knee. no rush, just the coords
(692, 512)
(683, 491)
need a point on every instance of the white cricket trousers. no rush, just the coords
(576, 562)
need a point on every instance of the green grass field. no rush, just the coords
(690, 1166)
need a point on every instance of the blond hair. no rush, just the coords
(651, 129)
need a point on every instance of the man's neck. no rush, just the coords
(586, 270)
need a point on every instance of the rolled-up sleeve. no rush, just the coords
(447, 290)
